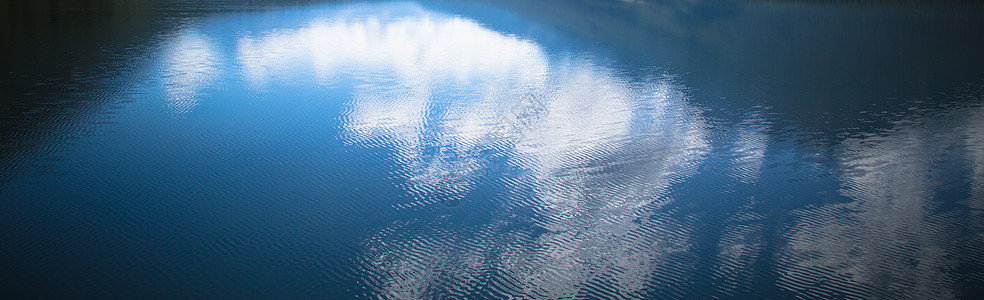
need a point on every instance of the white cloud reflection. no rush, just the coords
(440, 90)
(748, 152)
(190, 65)
(597, 153)
(975, 140)
(893, 239)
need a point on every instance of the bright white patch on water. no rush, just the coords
(440, 90)
(190, 65)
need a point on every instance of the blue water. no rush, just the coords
(492, 149)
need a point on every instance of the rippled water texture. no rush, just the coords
(492, 149)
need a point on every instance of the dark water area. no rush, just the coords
(492, 149)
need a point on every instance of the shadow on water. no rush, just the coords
(59, 60)
(813, 60)
(66, 64)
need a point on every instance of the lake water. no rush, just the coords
(491, 149)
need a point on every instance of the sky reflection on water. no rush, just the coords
(436, 149)
(446, 94)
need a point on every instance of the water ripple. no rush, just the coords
(443, 149)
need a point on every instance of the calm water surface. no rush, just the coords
(491, 149)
